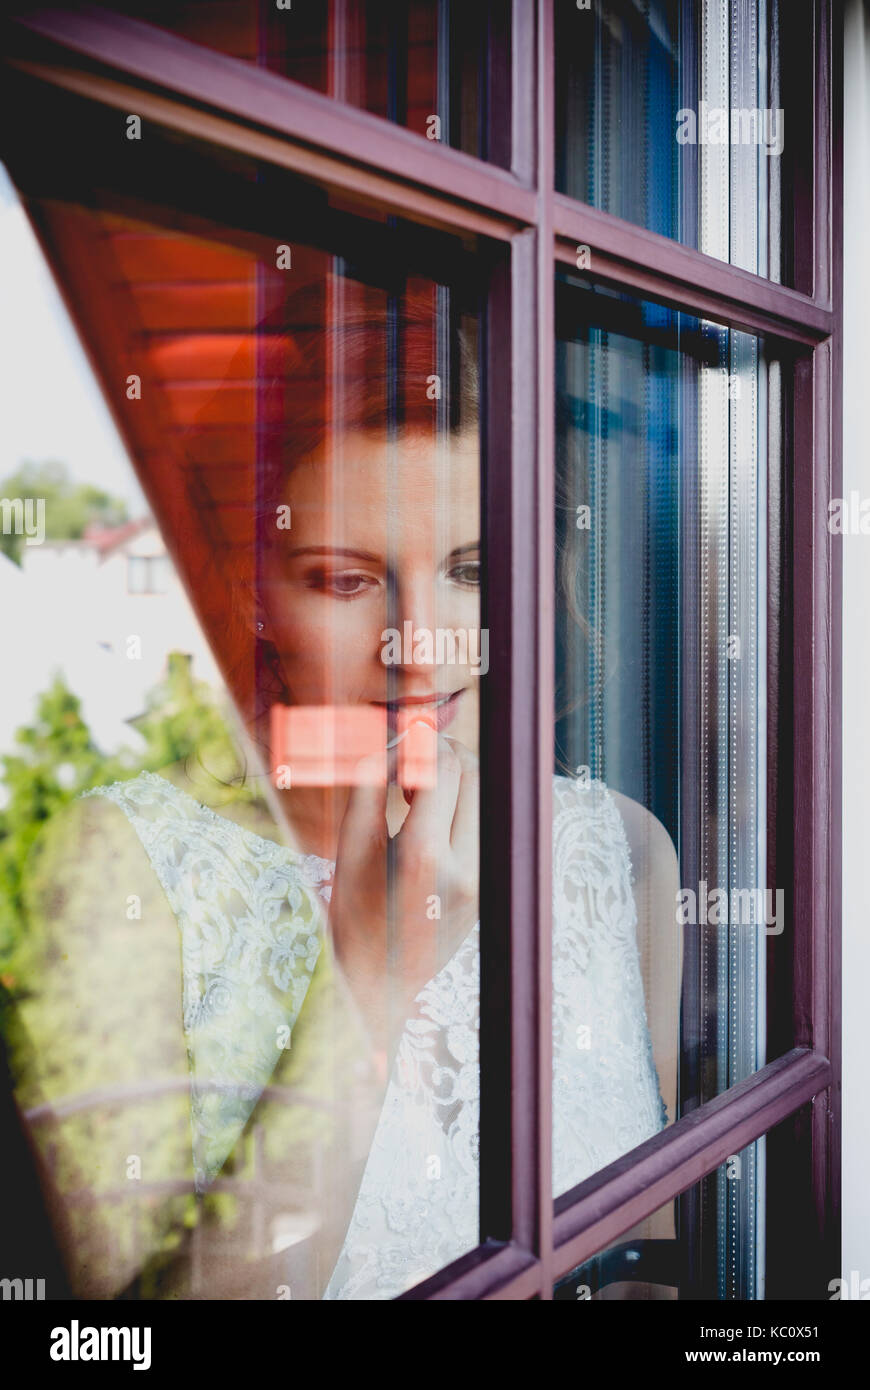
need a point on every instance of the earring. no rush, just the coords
(260, 626)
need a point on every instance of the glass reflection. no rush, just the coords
(661, 907)
(706, 1244)
(421, 63)
(263, 933)
(690, 119)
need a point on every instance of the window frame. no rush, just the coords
(526, 1243)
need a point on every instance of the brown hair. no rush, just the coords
(337, 356)
(341, 355)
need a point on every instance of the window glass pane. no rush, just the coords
(137, 574)
(273, 960)
(706, 1244)
(746, 1231)
(421, 63)
(667, 427)
(691, 119)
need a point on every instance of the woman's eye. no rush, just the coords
(467, 574)
(348, 585)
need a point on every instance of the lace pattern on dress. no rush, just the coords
(606, 1097)
(251, 930)
(417, 1206)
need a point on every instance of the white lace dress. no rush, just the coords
(251, 935)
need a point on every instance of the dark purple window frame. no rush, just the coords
(526, 1242)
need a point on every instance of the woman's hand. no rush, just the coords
(401, 907)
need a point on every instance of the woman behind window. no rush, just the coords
(303, 1052)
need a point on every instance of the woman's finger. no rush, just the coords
(430, 817)
(465, 829)
(364, 827)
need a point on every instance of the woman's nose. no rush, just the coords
(412, 638)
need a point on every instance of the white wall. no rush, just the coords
(68, 613)
(856, 652)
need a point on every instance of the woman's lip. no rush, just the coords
(408, 700)
(440, 709)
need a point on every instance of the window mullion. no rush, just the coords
(259, 101)
(653, 266)
(545, 665)
(609, 1203)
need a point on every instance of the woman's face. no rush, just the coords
(386, 537)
